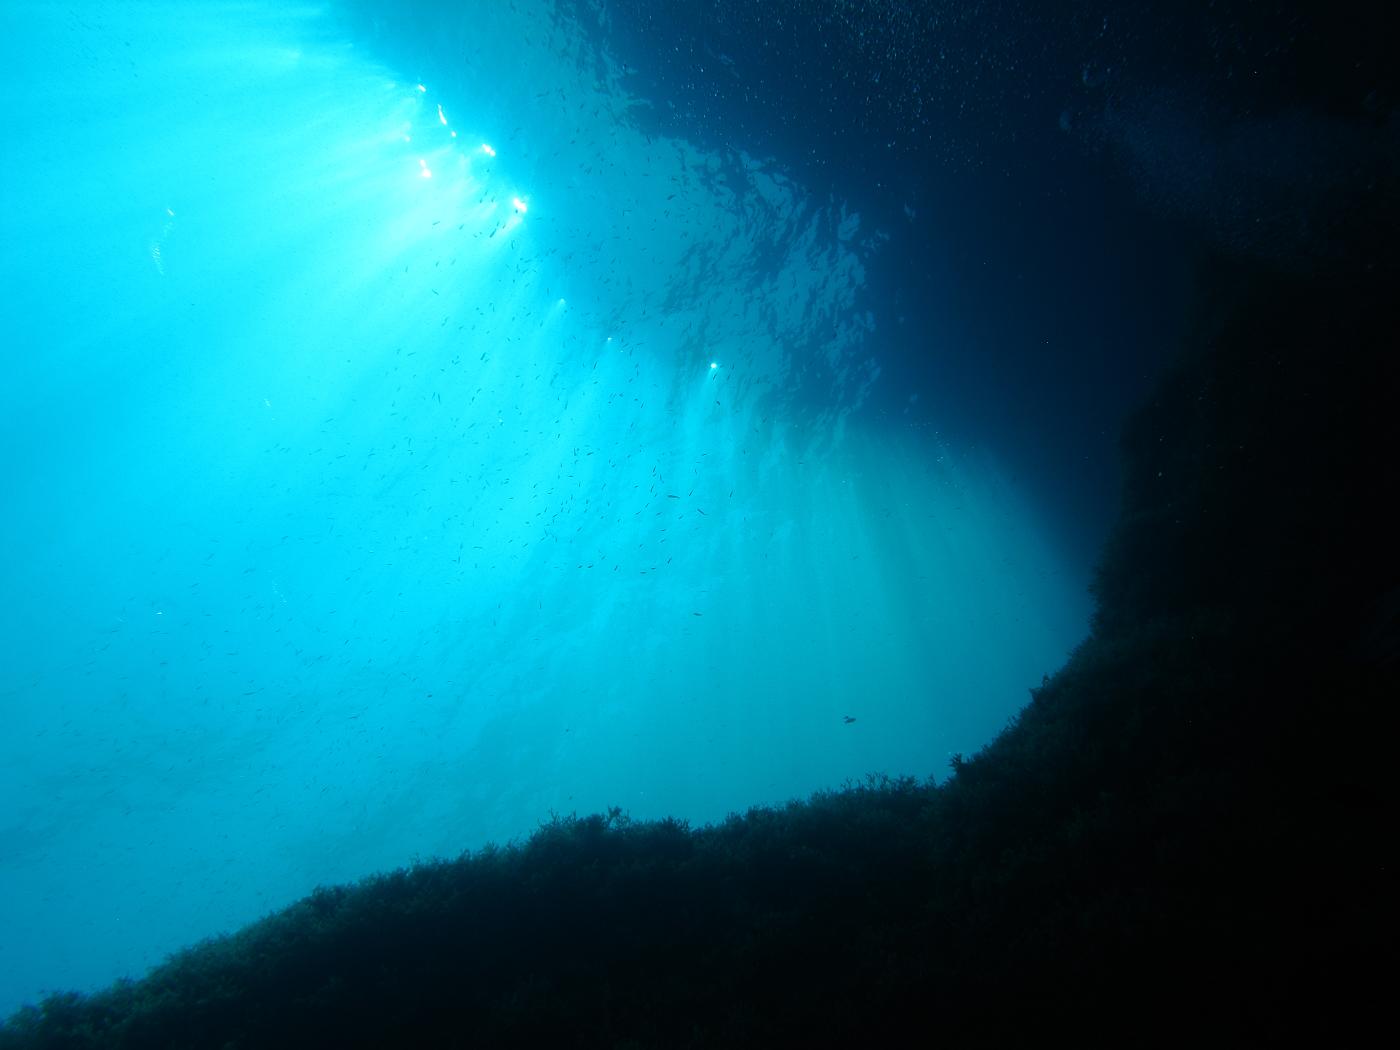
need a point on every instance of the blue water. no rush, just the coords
(390, 463)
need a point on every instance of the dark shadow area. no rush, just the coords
(1183, 833)
(1040, 172)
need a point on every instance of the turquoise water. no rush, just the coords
(391, 463)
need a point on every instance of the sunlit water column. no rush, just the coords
(394, 462)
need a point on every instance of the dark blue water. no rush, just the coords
(421, 420)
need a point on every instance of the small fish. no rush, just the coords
(847, 719)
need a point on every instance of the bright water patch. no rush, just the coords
(388, 466)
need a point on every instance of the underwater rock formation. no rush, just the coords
(1183, 831)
